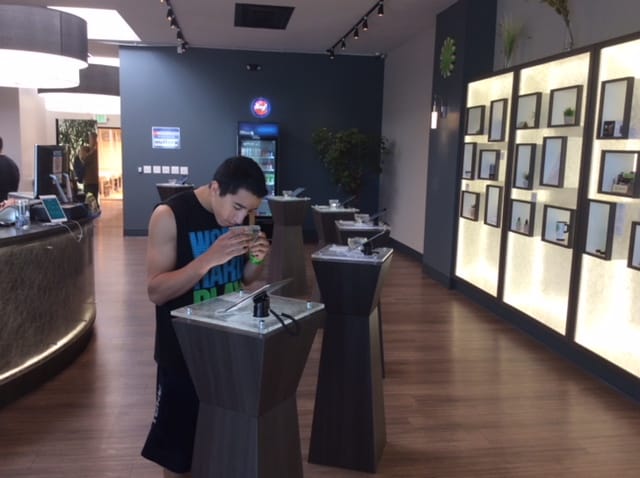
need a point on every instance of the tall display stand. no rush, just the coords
(287, 258)
(346, 229)
(246, 373)
(349, 428)
(325, 217)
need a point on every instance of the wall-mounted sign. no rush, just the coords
(260, 107)
(165, 137)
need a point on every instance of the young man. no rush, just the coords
(193, 256)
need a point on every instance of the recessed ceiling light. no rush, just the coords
(103, 24)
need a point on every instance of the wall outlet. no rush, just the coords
(166, 170)
(146, 169)
(184, 170)
(175, 169)
(156, 169)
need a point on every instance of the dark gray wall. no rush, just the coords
(206, 92)
(471, 23)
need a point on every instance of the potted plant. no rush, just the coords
(349, 155)
(569, 115)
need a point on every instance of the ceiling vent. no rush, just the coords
(262, 16)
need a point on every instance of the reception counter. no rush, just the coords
(47, 300)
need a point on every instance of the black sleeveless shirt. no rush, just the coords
(196, 229)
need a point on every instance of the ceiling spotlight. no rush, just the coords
(381, 9)
(356, 35)
(343, 44)
(179, 35)
(170, 14)
(173, 23)
(365, 24)
(331, 53)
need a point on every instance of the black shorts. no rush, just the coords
(170, 439)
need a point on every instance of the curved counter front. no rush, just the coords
(47, 302)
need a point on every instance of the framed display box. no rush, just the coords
(524, 167)
(554, 150)
(522, 217)
(475, 120)
(493, 206)
(564, 106)
(469, 205)
(618, 170)
(469, 161)
(489, 164)
(528, 112)
(634, 246)
(557, 226)
(602, 216)
(615, 108)
(497, 119)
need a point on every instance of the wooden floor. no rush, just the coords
(466, 395)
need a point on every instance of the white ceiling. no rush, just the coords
(315, 25)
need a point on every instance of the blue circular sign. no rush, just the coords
(260, 107)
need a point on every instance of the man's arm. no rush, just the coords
(164, 282)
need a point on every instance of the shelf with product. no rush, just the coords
(555, 238)
(610, 264)
(483, 175)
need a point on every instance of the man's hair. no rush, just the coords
(240, 172)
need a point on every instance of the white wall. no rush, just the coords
(544, 33)
(405, 121)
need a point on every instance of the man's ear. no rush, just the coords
(214, 187)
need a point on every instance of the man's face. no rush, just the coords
(232, 209)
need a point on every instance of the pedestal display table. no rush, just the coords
(346, 229)
(166, 190)
(287, 259)
(348, 422)
(246, 371)
(325, 217)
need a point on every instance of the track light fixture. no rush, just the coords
(354, 30)
(173, 24)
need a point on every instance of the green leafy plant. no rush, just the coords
(349, 154)
(569, 111)
(511, 32)
(75, 133)
(561, 7)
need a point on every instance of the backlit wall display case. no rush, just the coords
(483, 174)
(554, 233)
(537, 273)
(608, 311)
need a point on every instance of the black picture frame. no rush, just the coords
(522, 219)
(493, 205)
(469, 161)
(554, 151)
(633, 261)
(489, 167)
(618, 173)
(557, 226)
(614, 110)
(469, 205)
(600, 224)
(562, 99)
(475, 120)
(497, 120)
(524, 166)
(528, 111)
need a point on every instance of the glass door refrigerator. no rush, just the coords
(259, 141)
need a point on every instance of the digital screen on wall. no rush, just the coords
(165, 137)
